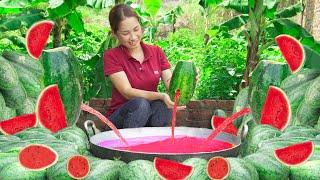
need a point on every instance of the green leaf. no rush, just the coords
(8, 7)
(270, 3)
(58, 9)
(290, 11)
(206, 3)
(25, 19)
(251, 4)
(270, 13)
(253, 23)
(9, 11)
(241, 6)
(75, 21)
(170, 16)
(14, 4)
(235, 22)
(61, 8)
(152, 6)
(286, 26)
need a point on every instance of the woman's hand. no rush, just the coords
(166, 99)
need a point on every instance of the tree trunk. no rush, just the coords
(253, 45)
(57, 33)
(252, 59)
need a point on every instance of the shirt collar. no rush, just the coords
(145, 48)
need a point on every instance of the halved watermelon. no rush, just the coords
(78, 167)
(17, 124)
(292, 51)
(216, 121)
(37, 37)
(50, 109)
(172, 170)
(37, 157)
(218, 168)
(228, 121)
(296, 154)
(276, 110)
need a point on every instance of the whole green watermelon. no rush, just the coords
(61, 67)
(183, 79)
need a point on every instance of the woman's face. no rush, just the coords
(129, 33)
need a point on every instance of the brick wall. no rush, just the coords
(197, 113)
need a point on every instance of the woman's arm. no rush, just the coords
(121, 82)
(166, 77)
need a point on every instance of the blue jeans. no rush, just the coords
(140, 112)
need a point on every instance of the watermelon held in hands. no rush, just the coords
(218, 168)
(50, 110)
(184, 80)
(276, 110)
(78, 167)
(17, 124)
(37, 157)
(37, 37)
(296, 154)
(171, 170)
(216, 121)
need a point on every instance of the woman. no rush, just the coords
(135, 69)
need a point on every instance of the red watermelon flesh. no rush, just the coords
(171, 170)
(78, 167)
(50, 110)
(296, 154)
(226, 122)
(37, 37)
(216, 121)
(276, 110)
(17, 124)
(292, 51)
(37, 157)
(218, 168)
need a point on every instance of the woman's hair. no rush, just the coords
(118, 13)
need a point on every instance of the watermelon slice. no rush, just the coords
(168, 169)
(292, 51)
(37, 157)
(296, 154)
(37, 37)
(78, 167)
(276, 110)
(226, 123)
(50, 109)
(218, 168)
(17, 124)
(216, 121)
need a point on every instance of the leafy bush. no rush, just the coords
(84, 47)
(222, 68)
(221, 63)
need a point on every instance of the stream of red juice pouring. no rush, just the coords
(174, 114)
(226, 122)
(105, 120)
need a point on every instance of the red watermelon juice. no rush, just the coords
(163, 144)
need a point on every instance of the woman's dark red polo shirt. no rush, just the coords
(144, 76)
